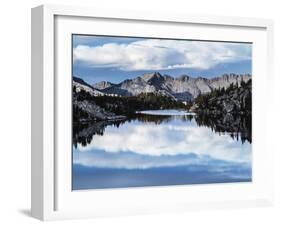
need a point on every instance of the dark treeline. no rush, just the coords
(78, 114)
(235, 99)
(83, 132)
(129, 105)
(227, 110)
(237, 126)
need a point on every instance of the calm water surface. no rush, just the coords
(167, 147)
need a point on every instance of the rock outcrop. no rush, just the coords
(86, 110)
(234, 100)
(102, 85)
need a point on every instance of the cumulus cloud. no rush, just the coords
(167, 139)
(155, 54)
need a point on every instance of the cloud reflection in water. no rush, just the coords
(142, 153)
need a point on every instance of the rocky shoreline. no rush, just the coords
(93, 112)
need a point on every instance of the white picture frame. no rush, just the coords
(52, 197)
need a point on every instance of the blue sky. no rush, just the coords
(114, 59)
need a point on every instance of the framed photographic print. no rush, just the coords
(137, 112)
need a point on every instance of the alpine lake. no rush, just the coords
(161, 148)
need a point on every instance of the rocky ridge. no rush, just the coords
(183, 88)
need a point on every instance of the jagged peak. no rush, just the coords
(231, 75)
(102, 85)
(126, 81)
(77, 79)
(184, 77)
(200, 78)
(103, 82)
(149, 76)
(81, 81)
(168, 76)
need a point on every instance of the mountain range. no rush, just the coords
(182, 88)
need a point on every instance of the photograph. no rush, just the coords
(152, 111)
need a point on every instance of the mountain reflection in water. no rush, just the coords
(236, 126)
(153, 150)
